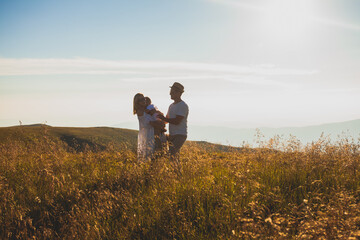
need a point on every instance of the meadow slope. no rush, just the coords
(50, 189)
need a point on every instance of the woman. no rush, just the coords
(146, 142)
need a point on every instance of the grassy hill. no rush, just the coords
(93, 138)
(52, 187)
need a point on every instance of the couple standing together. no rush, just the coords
(151, 137)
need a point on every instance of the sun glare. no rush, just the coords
(288, 20)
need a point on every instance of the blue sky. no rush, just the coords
(130, 30)
(243, 63)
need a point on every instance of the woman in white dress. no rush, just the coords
(146, 140)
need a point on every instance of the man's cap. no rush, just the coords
(151, 107)
(178, 86)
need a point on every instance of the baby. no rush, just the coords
(159, 132)
(147, 101)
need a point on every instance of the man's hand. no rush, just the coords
(161, 116)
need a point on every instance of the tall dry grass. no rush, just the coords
(280, 191)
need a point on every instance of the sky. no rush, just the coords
(244, 63)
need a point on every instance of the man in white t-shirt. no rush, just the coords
(177, 119)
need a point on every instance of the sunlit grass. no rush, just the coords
(280, 191)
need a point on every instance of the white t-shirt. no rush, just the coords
(181, 109)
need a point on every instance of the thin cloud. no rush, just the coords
(18, 67)
(334, 23)
(340, 90)
(240, 4)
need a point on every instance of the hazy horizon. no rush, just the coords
(244, 63)
(134, 125)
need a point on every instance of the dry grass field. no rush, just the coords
(282, 190)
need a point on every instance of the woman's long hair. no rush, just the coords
(136, 102)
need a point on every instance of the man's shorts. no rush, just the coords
(175, 143)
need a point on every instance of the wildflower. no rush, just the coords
(38, 200)
(268, 220)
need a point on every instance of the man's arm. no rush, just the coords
(175, 121)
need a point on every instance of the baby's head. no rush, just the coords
(151, 109)
(147, 101)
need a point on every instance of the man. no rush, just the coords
(177, 119)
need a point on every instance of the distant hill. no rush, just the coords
(94, 138)
(236, 137)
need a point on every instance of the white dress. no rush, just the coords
(146, 141)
